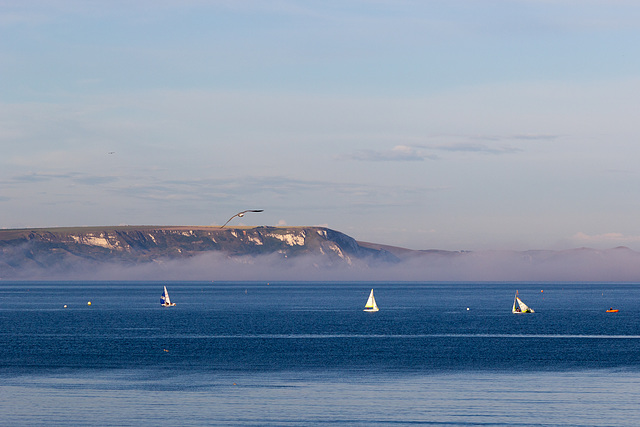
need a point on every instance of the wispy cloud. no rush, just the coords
(476, 148)
(285, 192)
(93, 179)
(421, 152)
(33, 177)
(281, 189)
(534, 137)
(399, 153)
(604, 238)
(77, 178)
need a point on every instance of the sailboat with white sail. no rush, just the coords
(519, 306)
(165, 301)
(371, 303)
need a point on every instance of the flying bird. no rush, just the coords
(241, 214)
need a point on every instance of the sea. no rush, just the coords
(305, 354)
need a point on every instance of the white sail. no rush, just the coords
(165, 301)
(524, 307)
(371, 303)
(521, 306)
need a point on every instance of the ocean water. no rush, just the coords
(306, 354)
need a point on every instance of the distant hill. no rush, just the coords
(25, 252)
(281, 253)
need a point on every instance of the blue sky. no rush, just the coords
(458, 124)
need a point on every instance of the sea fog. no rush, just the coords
(615, 265)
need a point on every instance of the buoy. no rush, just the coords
(65, 306)
(89, 303)
(467, 308)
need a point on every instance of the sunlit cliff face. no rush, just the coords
(199, 251)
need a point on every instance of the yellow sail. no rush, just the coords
(519, 306)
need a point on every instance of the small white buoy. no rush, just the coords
(65, 306)
(467, 308)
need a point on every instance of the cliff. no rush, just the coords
(60, 249)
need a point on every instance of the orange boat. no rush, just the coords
(612, 310)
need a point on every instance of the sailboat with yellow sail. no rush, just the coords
(371, 303)
(519, 306)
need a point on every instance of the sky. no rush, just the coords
(454, 124)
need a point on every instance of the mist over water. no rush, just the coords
(615, 265)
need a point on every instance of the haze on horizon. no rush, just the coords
(457, 125)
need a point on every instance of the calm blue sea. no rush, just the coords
(306, 354)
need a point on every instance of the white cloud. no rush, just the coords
(408, 153)
(399, 153)
(477, 148)
(604, 239)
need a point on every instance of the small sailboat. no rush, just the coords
(165, 301)
(371, 303)
(519, 306)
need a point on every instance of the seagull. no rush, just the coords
(241, 214)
